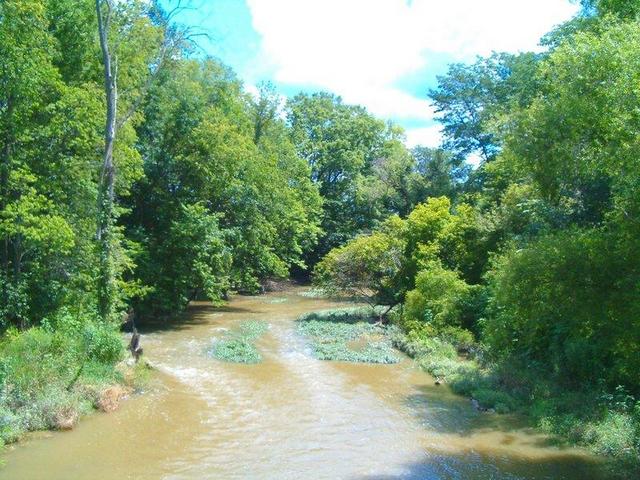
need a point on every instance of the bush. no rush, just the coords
(616, 435)
(501, 401)
(103, 343)
(437, 298)
(46, 373)
(561, 303)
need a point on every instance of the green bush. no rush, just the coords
(615, 435)
(103, 343)
(499, 400)
(437, 298)
(45, 373)
(560, 303)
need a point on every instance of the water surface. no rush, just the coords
(289, 417)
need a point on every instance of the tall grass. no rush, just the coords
(53, 374)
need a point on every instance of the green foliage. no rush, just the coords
(51, 373)
(560, 303)
(471, 99)
(252, 200)
(366, 267)
(437, 298)
(239, 347)
(342, 143)
(348, 335)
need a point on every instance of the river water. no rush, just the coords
(289, 417)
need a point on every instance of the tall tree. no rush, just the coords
(340, 143)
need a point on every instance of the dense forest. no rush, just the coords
(137, 175)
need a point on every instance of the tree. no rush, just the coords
(366, 267)
(199, 148)
(472, 98)
(340, 143)
(137, 56)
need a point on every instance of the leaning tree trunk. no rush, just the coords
(106, 276)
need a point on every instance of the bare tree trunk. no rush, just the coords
(106, 195)
(4, 193)
(106, 278)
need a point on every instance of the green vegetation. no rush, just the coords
(348, 335)
(519, 286)
(54, 373)
(239, 347)
(516, 281)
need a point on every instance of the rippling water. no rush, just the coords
(290, 417)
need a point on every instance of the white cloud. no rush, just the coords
(360, 48)
(426, 136)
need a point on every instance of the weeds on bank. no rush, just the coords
(239, 346)
(348, 335)
(53, 374)
(608, 424)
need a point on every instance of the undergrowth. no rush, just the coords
(606, 423)
(53, 374)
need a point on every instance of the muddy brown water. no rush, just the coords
(290, 417)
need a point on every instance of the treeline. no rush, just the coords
(215, 190)
(136, 176)
(530, 266)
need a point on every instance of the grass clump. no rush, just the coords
(348, 335)
(277, 300)
(313, 293)
(239, 346)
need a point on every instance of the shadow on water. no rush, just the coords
(197, 314)
(472, 444)
(474, 466)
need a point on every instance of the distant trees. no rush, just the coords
(247, 197)
(536, 252)
(339, 142)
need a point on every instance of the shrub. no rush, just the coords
(437, 298)
(501, 401)
(615, 435)
(45, 373)
(561, 304)
(103, 343)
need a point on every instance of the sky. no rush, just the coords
(382, 54)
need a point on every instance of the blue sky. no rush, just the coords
(383, 54)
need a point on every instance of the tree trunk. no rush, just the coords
(4, 193)
(17, 273)
(106, 276)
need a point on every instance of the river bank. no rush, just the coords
(290, 415)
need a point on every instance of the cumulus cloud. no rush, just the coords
(427, 136)
(359, 49)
